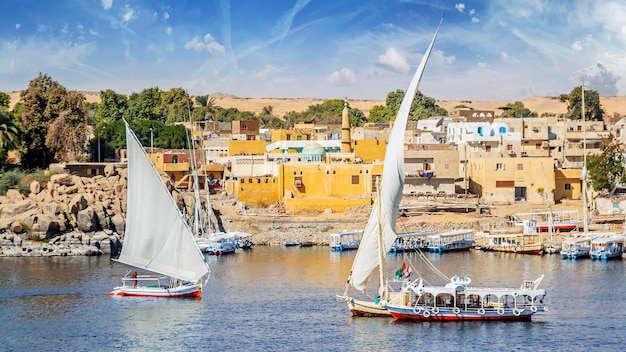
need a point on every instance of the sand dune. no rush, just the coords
(280, 106)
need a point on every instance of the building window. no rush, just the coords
(520, 166)
(568, 186)
(175, 159)
(355, 179)
(499, 166)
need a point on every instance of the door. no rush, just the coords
(520, 194)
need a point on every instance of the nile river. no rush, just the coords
(283, 299)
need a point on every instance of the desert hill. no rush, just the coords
(282, 106)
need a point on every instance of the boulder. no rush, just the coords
(35, 187)
(51, 208)
(12, 210)
(14, 195)
(109, 170)
(86, 220)
(118, 223)
(60, 179)
(77, 204)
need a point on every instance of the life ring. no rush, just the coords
(417, 309)
(435, 310)
(545, 309)
(515, 294)
(533, 308)
(516, 311)
(501, 311)
(481, 311)
(426, 314)
(420, 291)
(456, 310)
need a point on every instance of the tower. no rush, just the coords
(346, 143)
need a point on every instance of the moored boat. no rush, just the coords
(577, 247)
(221, 244)
(411, 241)
(346, 240)
(607, 247)
(457, 301)
(527, 242)
(450, 241)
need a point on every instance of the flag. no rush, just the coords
(406, 270)
(399, 274)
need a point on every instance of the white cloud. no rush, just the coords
(128, 15)
(472, 12)
(106, 4)
(504, 56)
(94, 33)
(168, 30)
(18, 25)
(207, 43)
(266, 71)
(166, 15)
(482, 65)
(393, 60)
(342, 78)
(577, 46)
(440, 58)
(65, 29)
(215, 48)
(459, 7)
(475, 20)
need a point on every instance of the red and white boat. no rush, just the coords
(457, 301)
(157, 237)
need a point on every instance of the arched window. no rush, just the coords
(480, 131)
(175, 159)
(502, 129)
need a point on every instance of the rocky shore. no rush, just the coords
(72, 215)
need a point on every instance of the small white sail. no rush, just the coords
(157, 237)
(390, 195)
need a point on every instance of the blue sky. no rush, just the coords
(361, 49)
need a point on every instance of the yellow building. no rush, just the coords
(568, 184)
(294, 135)
(369, 150)
(510, 180)
(246, 147)
(312, 186)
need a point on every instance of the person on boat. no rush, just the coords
(134, 276)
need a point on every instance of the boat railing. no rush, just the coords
(150, 281)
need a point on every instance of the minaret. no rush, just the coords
(346, 143)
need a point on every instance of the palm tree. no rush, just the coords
(208, 103)
(8, 131)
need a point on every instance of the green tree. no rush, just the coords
(42, 103)
(9, 134)
(606, 170)
(357, 117)
(5, 100)
(176, 103)
(112, 107)
(204, 108)
(146, 105)
(67, 134)
(380, 113)
(517, 109)
(593, 109)
(422, 106)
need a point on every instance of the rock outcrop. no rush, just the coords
(68, 215)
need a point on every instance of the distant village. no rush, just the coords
(472, 153)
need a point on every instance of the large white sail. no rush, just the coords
(386, 205)
(157, 237)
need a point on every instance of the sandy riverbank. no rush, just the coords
(270, 226)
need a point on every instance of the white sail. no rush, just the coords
(390, 195)
(157, 237)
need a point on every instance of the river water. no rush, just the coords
(283, 299)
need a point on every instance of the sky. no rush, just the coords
(496, 50)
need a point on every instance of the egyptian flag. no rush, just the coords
(406, 270)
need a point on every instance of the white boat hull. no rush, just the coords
(450, 314)
(362, 308)
(185, 290)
